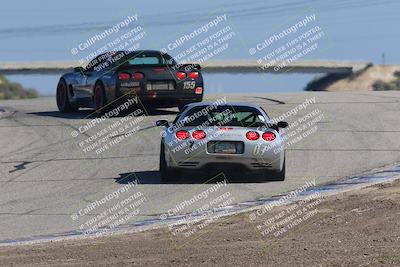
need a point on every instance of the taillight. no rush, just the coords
(180, 75)
(182, 135)
(159, 69)
(199, 134)
(225, 128)
(252, 136)
(124, 76)
(138, 76)
(268, 136)
(194, 75)
(198, 90)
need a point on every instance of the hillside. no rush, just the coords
(362, 81)
(12, 90)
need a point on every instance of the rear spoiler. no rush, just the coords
(178, 66)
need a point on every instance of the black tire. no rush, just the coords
(277, 175)
(182, 105)
(167, 175)
(99, 98)
(149, 108)
(62, 97)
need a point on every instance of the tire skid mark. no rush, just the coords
(270, 99)
(23, 149)
(41, 149)
(38, 150)
(43, 136)
(20, 166)
(73, 159)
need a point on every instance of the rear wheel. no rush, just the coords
(167, 174)
(149, 108)
(62, 97)
(99, 98)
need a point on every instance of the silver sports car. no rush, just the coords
(222, 137)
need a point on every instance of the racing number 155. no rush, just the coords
(189, 85)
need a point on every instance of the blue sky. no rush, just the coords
(48, 29)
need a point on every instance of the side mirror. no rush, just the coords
(162, 123)
(79, 69)
(282, 124)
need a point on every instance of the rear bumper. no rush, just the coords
(197, 154)
(170, 99)
(204, 161)
(231, 167)
(162, 98)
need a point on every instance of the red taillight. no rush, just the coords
(225, 129)
(159, 69)
(252, 136)
(194, 75)
(198, 90)
(199, 134)
(182, 135)
(138, 76)
(180, 75)
(268, 136)
(124, 76)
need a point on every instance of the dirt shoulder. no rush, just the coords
(357, 228)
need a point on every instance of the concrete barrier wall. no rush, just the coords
(228, 66)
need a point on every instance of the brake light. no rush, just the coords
(252, 135)
(182, 135)
(124, 76)
(194, 75)
(159, 69)
(180, 75)
(268, 136)
(138, 76)
(198, 90)
(225, 129)
(199, 134)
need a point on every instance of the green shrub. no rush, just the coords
(11, 90)
(387, 86)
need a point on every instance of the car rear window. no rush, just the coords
(144, 58)
(241, 116)
(144, 61)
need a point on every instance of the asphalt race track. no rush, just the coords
(45, 176)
